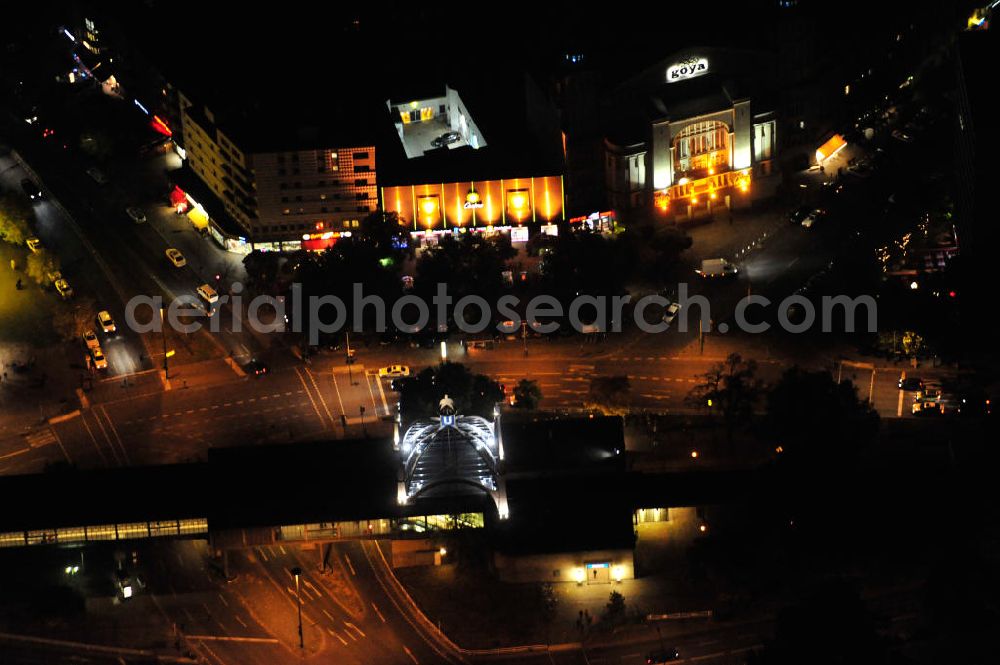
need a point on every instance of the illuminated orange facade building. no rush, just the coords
(474, 204)
(453, 169)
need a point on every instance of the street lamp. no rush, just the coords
(296, 571)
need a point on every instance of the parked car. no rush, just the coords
(34, 244)
(31, 189)
(97, 175)
(911, 383)
(105, 321)
(136, 214)
(176, 258)
(662, 656)
(64, 289)
(53, 276)
(394, 371)
(446, 139)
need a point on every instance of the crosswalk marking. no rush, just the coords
(42, 437)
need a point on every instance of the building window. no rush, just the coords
(361, 196)
(361, 182)
(331, 161)
(361, 168)
(361, 155)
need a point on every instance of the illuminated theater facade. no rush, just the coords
(687, 136)
(490, 175)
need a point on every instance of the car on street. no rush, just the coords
(97, 175)
(176, 257)
(208, 293)
(446, 139)
(90, 339)
(797, 215)
(136, 214)
(930, 391)
(662, 656)
(53, 276)
(394, 371)
(397, 384)
(256, 368)
(911, 383)
(100, 362)
(671, 313)
(861, 169)
(813, 217)
(64, 289)
(34, 244)
(900, 135)
(105, 321)
(926, 408)
(31, 189)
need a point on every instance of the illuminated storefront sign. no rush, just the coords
(519, 234)
(473, 201)
(690, 68)
(502, 202)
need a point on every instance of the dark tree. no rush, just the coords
(730, 388)
(473, 394)
(831, 626)
(609, 393)
(815, 420)
(527, 394)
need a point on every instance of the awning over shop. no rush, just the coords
(198, 217)
(830, 148)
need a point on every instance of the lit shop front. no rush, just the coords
(480, 205)
(700, 142)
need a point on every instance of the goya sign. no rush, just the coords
(686, 69)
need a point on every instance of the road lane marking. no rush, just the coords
(311, 400)
(372, 393)
(336, 387)
(899, 406)
(114, 430)
(375, 607)
(381, 393)
(242, 622)
(227, 638)
(350, 565)
(355, 628)
(319, 394)
(311, 587)
(104, 433)
(337, 635)
(410, 654)
(223, 599)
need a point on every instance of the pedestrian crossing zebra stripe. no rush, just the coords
(41, 438)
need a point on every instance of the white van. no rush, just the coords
(208, 293)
